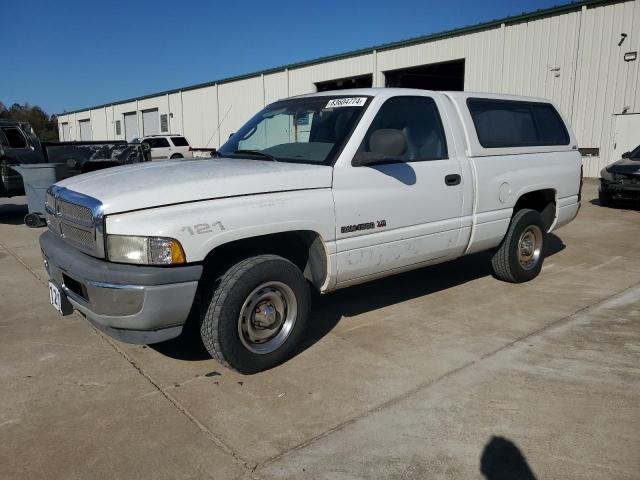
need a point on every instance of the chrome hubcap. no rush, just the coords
(267, 317)
(530, 247)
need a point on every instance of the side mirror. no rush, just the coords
(386, 145)
(626, 154)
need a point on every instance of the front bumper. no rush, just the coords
(135, 304)
(621, 190)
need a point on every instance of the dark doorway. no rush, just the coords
(362, 81)
(436, 76)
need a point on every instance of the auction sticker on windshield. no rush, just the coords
(346, 102)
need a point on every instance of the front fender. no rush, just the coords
(202, 226)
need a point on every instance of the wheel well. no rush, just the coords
(303, 248)
(543, 201)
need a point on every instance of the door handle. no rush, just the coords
(453, 179)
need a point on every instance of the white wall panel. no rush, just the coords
(62, 136)
(175, 113)
(605, 83)
(540, 58)
(482, 52)
(98, 124)
(302, 80)
(275, 87)
(239, 101)
(200, 116)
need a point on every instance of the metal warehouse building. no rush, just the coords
(583, 56)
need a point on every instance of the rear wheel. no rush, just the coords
(520, 255)
(257, 313)
(176, 155)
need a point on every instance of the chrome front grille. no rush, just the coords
(76, 218)
(83, 239)
(75, 213)
(50, 200)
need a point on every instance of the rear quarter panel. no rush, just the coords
(502, 179)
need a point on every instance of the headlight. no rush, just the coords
(144, 250)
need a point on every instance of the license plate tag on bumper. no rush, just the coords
(55, 297)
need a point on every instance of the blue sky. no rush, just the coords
(71, 54)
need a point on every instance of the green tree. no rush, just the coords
(45, 126)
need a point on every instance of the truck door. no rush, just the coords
(406, 211)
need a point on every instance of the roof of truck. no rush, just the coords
(391, 92)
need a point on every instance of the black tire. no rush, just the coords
(605, 199)
(221, 325)
(506, 262)
(176, 155)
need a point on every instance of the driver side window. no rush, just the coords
(418, 121)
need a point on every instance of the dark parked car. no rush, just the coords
(19, 145)
(620, 181)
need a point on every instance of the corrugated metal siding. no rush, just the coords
(239, 101)
(482, 52)
(302, 80)
(275, 86)
(200, 116)
(605, 82)
(540, 58)
(175, 113)
(572, 58)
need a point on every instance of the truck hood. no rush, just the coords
(147, 185)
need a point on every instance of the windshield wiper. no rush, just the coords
(258, 153)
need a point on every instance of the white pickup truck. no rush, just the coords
(319, 191)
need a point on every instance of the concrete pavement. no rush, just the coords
(443, 372)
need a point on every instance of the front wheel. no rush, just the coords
(176, 155)
(257, 313)
(520, 255)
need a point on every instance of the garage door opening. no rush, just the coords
(150, 122)
(362, 81)
(130, 126)
(436, 76)
(85, 130)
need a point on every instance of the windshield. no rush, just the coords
(301, 130)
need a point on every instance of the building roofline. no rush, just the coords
(544, 12)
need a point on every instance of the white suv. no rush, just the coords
(167, 146)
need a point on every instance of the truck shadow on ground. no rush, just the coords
(328, 310)
(501, 459)
(13, 214)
